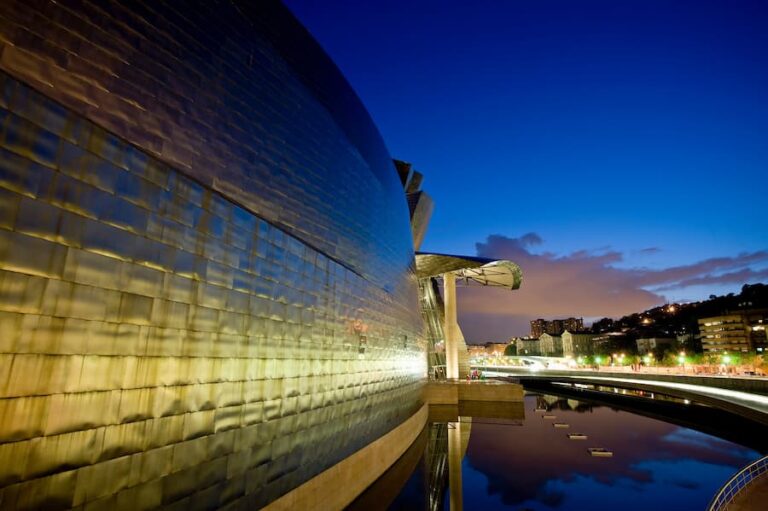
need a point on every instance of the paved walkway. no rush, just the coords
(753, 498)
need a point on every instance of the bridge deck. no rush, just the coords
(753, 401)
(704, 389)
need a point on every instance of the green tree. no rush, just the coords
(510, 350)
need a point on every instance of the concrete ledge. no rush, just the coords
(490, 391)
(510, 410)
(338, 486)
(451, 392)
(441, 393)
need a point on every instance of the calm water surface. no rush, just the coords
(531, 465)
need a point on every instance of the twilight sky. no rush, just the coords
(616, 150)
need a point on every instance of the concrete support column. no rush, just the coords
(454, 466)
(451, 327)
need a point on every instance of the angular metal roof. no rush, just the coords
(472, 270)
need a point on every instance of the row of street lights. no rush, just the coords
(648, 359)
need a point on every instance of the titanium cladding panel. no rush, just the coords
(206, 285)
(236, 95)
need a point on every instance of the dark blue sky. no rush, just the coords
(601, 126)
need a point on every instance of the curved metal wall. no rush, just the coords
(162, 345)
(236, 95)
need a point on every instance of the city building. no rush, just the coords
(577, 343)
(572, 324)
(528, 346)
(738, 331)
(476, 351)
(555, 326)
(489, 349)
(495, 349)
(551, 345)
(538, 327)
(647, 345)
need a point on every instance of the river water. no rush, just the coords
(528, 464)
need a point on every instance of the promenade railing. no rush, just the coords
(738, 483)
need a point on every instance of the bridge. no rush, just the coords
(744, 396)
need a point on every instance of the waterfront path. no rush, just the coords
(753, 498)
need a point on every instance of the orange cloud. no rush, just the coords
(583, 283)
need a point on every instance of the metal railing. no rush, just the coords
(737, 483)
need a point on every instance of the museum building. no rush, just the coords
(208, 293)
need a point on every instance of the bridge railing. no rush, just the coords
(738, 483)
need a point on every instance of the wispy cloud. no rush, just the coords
(585, 283)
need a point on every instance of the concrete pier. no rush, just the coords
(447, 392)
(451, 328)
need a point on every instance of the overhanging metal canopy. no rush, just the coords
(473, 270)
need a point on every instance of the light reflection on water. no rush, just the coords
(531, 465)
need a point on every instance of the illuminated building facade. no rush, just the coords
(572, 324)
(555, 326)
(528, 346)
(740, 331)
(551, 345)
(576, 343)
(207, 284)
(538, 327)
(495, 349)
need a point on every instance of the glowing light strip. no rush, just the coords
(756, 402)
(735, 395)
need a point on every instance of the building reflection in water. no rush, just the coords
(430, 472)
(524, 462)
(549, 403)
